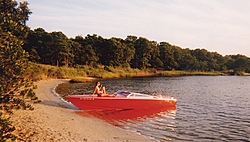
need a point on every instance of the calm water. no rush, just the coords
(209, 108)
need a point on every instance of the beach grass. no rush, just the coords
(85, 73)
(188, 73)
(81, 73)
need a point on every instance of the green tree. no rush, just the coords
(38, 45)
(143, 50)
(130, 50)
(220, 61)
(113, 54)
(61, 50)
(188, 62)
(84, 52)
(13, 18)
(207, 60)
(241, 63)
(178, 52)
(167, 56)
(117, 52)
(15, 86)
(154, 59)
(97, 44)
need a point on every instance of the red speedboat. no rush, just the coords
(122, 100)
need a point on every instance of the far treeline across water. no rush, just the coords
(57, 49)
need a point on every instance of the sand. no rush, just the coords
(54, 120)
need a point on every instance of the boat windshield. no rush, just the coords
(122, 93)
(131, 94)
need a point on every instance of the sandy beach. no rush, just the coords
(54, 120)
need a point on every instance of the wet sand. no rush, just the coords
(54, 120)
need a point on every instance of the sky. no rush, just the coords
(221, 26)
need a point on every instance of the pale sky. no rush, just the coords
(221, 26)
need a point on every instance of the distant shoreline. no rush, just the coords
(160, 73)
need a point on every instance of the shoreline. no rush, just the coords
(56, 120)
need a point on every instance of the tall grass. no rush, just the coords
(84, 73)
(40, 72)
(185, 73)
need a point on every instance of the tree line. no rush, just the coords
(15, 87)
(57, 49)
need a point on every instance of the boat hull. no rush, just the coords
(86, 102)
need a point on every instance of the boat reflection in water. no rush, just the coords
(117, 116)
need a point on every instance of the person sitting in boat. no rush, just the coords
(101, 91)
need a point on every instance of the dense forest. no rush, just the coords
(57, 49)
(16, 90)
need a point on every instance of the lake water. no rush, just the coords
(209, 108)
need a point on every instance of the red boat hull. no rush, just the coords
(85, 102)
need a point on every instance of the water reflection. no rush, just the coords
(128, 117)
(131, 114)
